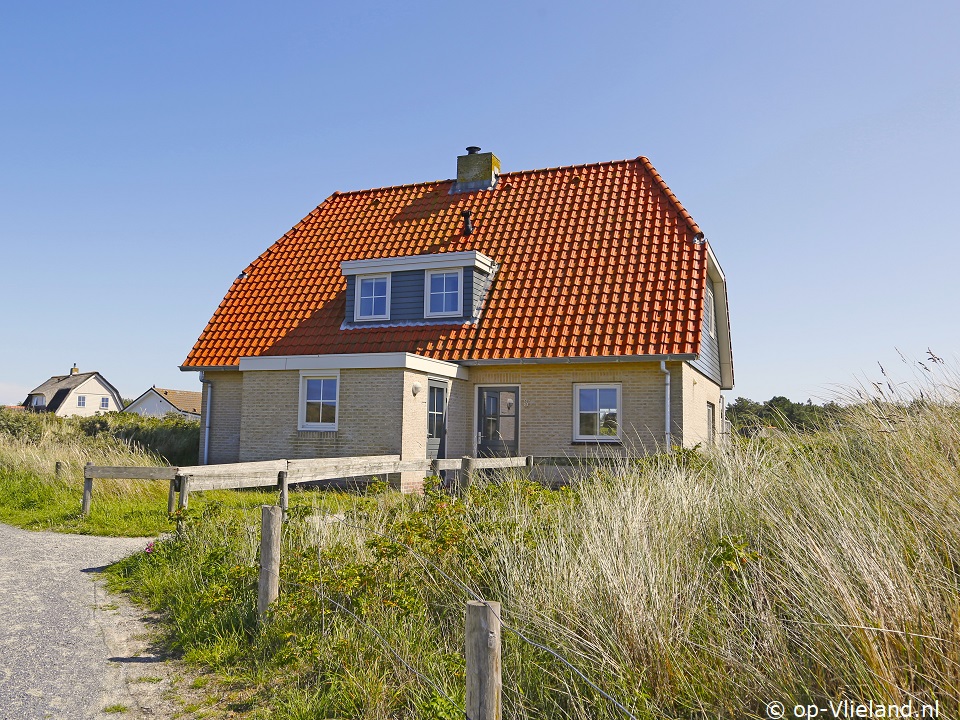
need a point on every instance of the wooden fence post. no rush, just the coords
(529, 466)
(269, 589)
(87, 490)
(465, 476)
(284, 492)
(172, 495)
(58, 470)
(484, 677)
(184, 492)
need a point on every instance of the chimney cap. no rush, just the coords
(473, 149)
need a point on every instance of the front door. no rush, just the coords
(436, 419)
(498, 421)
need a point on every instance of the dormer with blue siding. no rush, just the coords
(435, 289)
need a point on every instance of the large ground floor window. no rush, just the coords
(319, 401)
(596, 412)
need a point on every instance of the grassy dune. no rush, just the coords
(801, 568)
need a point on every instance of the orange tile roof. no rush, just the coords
(594, 260)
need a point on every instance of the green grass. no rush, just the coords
(798, 568)
(117, 708)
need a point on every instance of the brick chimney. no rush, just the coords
(476, 171)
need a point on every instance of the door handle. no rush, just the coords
(479, 438)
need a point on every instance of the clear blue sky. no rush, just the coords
(148, 152)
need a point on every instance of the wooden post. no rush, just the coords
(529, 466)
(465, 477)
(172, 496)
(484, 677)
(184, 492)
(284, 492)
(272, 522)
(58, 470)
(87, 490)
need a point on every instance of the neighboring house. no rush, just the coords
(556, 313)
(157, 402)
(74, 394)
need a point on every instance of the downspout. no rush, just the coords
(666, 405)
(206, 428)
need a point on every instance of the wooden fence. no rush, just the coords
(283, 473)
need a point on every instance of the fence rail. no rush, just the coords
(273, 473)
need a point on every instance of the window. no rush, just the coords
(709, 310)
(104, 403)
(435, 404)
(711, 423)
(372, 300)
(596, 412)
(81, 400)
(319, 402)
(443, 298)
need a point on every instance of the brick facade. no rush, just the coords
(225, 419)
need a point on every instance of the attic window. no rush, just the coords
(373, 297)
(443, 295)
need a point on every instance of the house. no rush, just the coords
(74, 394)
(157, 402)
(558, 313)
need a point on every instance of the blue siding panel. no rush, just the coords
(709, 361)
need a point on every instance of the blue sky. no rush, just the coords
(149, 152)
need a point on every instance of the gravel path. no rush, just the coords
(67, 648)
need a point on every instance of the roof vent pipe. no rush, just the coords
(467, 224)
(74, 370)
(473, 150)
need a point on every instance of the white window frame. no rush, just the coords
(426, 292)
(81, 401)
(104, 403)
(577, 387)
(302, 423)
(357, 317)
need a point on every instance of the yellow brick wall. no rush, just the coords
(546, 403)
(225, 419)
(368, 416)
(698, 390)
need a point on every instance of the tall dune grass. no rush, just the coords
(799, 568)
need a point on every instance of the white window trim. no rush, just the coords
(357, 317)
(104, 403)
(81, 400)
(426, 292)
(577, 437)
(302, 423)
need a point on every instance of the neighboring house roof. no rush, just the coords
(57, 388)
(186, 401)
(594, 260)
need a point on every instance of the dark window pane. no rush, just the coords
(436, 283)
(314, 390)
(313, 412)
(329, 390)
(588, 424)
(588, 400)
(328, 412)
(380, 306)
(609, 424)
(436, 303)
(450, 303)
(366, 307)
(608, 399)
(450, 282)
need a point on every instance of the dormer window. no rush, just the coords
(373, 297)
(443, 296)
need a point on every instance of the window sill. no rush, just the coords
(616, 443)
(330, 430)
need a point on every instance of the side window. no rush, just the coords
(319, 402)
(443, 296)
(104, 403)
(596, 412)
(711, 423)
(372, 300)
(81, 400)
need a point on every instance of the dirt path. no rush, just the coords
(68, 649)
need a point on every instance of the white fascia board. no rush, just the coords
(470, 258)
(356, 361)
(686, 357)
(723, 320)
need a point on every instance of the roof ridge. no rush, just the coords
(363, 191)
(670, 196)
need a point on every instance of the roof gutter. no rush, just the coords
(682, 357)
